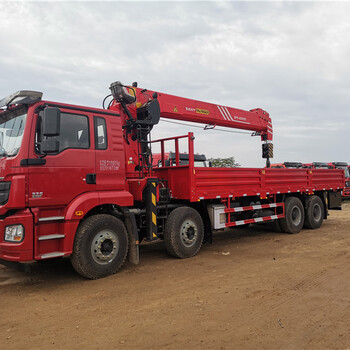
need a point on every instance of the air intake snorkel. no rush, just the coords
(21, 97)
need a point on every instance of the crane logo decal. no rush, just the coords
(202, 111)
(197, 110)
(227, 116)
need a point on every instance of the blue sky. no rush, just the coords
(289, 58)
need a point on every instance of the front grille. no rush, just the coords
(4, 192)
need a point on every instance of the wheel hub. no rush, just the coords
(104, 247)
(107, 247)
(317, 212)
(296, 216)
(189, 233)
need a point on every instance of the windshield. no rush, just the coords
(12, 124)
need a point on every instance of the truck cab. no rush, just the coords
(57, 164)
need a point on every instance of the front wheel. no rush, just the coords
(100, 246)
(183, 232)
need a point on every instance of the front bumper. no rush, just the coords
(17, 252)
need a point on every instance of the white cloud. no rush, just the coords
(290, 59)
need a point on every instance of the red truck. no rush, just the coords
(78, 181)
(346, 191)
(200, 160)
(344, 166)
(287, 165)
(317, 165)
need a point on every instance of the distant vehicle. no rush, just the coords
(200, 160)
(317, 165)
(343, 165)
(346, 192)
(287, 165)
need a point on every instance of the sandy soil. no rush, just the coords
(252, 289)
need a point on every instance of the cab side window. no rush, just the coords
(74, 131)
(100, 133)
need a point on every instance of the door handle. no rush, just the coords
(91, 179)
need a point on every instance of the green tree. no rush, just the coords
(224, 162)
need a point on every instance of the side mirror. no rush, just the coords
(51, 121)
(51, 127)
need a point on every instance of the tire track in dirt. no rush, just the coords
(275, 302)
(271, 292)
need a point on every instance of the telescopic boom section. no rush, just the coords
(180, 108)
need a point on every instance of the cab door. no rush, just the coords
(109, 153)
(68, 173)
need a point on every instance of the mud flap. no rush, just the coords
(334, 200)
(130, 222)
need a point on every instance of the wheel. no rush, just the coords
(183, 232)
(276, 226)
(294, 220)
(100, 246)
(314, 212)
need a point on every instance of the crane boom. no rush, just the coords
(149, 106)
(180, 108)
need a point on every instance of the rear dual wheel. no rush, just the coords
(314, 212)
(276, 226)
(296, 216)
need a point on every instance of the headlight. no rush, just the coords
(14, 233)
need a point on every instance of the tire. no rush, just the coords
(314, 212)
(100, 246)
(294, 220)
(183, 232)
(276, 226)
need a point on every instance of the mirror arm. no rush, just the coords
(41, 156)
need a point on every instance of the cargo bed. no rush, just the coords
(187, 181)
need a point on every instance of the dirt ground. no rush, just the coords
(251, 289)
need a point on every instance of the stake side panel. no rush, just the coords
(210, 183)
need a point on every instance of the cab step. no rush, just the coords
(53, 236)
(51, 255)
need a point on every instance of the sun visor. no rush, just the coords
(21, 97)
